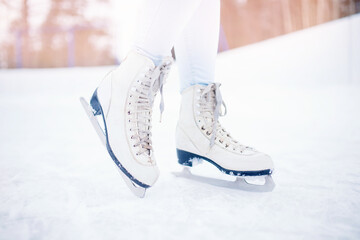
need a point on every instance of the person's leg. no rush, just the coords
(196, 48)
(199, 134)
(160, 23)
(125, 97)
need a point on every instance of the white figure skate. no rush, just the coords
(124, 101)
(199, 136)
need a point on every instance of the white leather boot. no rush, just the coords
(200, 136)
(124, 100)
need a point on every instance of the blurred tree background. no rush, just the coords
(66, 36)
(248, 21)
(66, 33)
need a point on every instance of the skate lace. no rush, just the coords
(144, 95)
(210, 108)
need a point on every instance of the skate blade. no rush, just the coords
(89, 112)
(135, 189)
(239, 184)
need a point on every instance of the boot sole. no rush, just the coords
(187, 159)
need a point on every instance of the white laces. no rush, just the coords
(210, 104)
(143, 96)
(162, 71)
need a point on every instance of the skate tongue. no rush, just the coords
(212, 92)
(156, 82)
(159, 75)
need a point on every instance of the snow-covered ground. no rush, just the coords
(57, 181)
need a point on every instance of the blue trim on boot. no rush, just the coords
(95, 104)
(186, 158)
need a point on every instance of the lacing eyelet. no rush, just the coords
(207, 133)
(202, 128)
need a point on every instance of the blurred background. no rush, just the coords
(99, 32)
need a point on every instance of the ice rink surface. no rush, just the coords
(285, 97)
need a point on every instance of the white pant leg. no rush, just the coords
(160, 23)
(196, 48)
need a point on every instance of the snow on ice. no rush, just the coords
(295, 97)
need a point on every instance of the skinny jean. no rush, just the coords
(191, 27)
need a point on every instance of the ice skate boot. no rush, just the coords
(199, 136)
(124, 101)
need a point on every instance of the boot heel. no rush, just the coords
(94, 102)
(187, 158)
